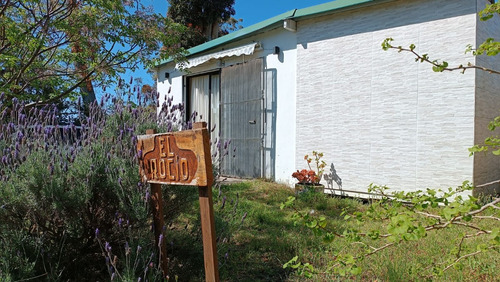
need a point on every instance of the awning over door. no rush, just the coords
(238, 51)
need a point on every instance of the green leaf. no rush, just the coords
(355, 270)
(312, 224)
(374, 234)
(467, 217)
(449, 213)
(495, 236)
(386, 44)
(329, 237)
(292, 261)
(322, 224)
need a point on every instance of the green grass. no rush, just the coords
(255, 249)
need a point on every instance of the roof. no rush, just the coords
(296, 14)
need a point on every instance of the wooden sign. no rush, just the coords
(176, 158)
(181, 158)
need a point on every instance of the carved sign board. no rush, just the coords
(181, 158)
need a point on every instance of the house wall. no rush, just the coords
(172, 85)
(378, 116)
(279, 90)
(487, 106)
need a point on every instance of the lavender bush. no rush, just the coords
(62, 182)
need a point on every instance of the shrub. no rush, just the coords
(60, 183)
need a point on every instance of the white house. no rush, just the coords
(318, 79)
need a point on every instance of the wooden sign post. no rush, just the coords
(181, 158)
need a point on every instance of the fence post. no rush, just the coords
(157, 204)
(207, 214)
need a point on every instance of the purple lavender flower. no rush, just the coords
(107, 247)
(97, 232)
(160, 240)
(22, 118)
(223, 202)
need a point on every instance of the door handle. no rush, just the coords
(252, 122)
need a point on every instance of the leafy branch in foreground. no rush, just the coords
(491, 142)
(406, 216)
(489, 47)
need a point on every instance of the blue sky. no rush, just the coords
(251, 11)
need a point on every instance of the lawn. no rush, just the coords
(256, 237)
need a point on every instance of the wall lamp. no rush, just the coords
(290, 25)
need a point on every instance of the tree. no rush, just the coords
(204, 18)
(56, 49)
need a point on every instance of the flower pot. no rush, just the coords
(314, 187)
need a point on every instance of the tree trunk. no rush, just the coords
(87, 89)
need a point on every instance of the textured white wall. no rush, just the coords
(486, 166)
(174, 84)
(379, 116)
(283, 68)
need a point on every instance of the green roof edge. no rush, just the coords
(328, 7)
(233, 36)
(247, 31)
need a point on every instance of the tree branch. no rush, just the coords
(466, 256)
(487, 217)
(440, 66)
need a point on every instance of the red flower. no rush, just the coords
(305, 176)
